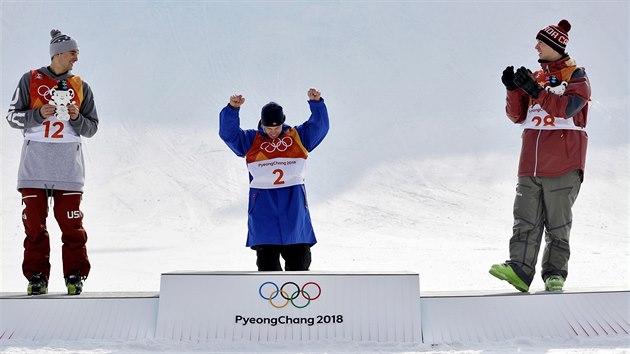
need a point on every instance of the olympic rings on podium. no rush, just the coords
(293, 289)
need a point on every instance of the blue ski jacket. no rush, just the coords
(276, 216)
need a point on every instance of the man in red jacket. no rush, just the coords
(552, 107)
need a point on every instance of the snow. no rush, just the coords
(417, 173)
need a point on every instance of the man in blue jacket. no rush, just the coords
(279, 222)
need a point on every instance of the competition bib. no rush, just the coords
(55, 129)
(538, 118)
(277, 163)
(277, 173)
(556, 83)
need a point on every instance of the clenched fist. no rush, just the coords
(236, 100)
(314, 94)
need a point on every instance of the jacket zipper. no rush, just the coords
(536, 153)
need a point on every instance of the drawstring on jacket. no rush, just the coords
(49, 194)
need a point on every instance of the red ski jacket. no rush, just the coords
(547, 150)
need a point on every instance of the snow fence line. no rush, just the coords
(312, 306)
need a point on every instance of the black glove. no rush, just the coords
(524, 79)
(508, 78)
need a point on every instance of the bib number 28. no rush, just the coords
(548, 121)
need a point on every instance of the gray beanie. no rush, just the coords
(61, 43)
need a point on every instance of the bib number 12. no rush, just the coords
(57, 127)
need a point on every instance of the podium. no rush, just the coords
(290, 306)
(276, 307)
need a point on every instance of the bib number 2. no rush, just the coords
(57, 128)
(280, 174)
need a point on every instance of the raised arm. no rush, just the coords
(314, 130)
(237, 139)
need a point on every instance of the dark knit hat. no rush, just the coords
(272, 115)
(556, 36)
(60, 43)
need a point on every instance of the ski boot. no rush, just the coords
(37, 285)
(505, 272)
(74, 283)
(554, 283)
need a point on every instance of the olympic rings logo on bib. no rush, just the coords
(44, 91)
(277, 144)
(299, 298)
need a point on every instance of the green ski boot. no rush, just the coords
(37, 285)
(554, 283)
(505, 272)
(74, 283)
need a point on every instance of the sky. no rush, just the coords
(416, 174)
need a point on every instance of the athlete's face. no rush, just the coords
(273, 132)
(67, 59)
(545, 52)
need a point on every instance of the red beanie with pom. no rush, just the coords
(556, 36)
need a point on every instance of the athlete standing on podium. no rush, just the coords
(551, 105)
(279, 222)
(55, 110)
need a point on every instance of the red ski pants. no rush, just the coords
(73, 236)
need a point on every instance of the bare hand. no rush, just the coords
(47, 110)
(314, 94)
(73, 110)
(236, 100)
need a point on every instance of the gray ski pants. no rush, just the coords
(543, 204)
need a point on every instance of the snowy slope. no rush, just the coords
(419, 166)
(417, 172)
